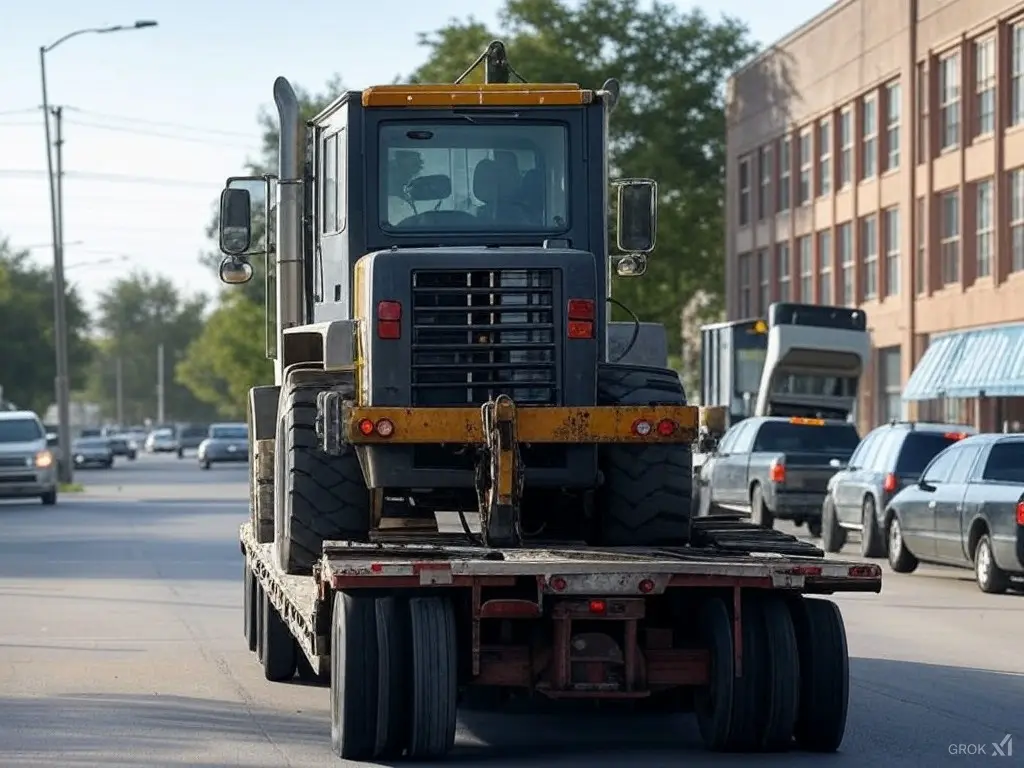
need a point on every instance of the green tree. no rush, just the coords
(27, 352)
(136, 315)
(669, 124)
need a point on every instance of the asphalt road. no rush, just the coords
(121, 645)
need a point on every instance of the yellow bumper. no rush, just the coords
(537, 424)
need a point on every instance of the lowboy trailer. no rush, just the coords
(731, 627)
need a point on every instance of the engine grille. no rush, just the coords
(479, 333)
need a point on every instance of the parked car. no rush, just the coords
(190, 436)
(162, 440)
(92, 452)
(888, 459)
(774, 467)
(225, 443)
(27, 466)
(967, 510)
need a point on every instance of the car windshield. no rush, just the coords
(838, 440)
(229, 433)
(163, 433)
(91, 442)
(470, 177)
(20, 431)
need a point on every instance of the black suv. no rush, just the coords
(889, 458)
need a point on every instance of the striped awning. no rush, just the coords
(985, 361)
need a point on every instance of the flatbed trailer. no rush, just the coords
(730, 627)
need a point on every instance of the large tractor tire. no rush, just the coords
(319, 497)
(646, 496)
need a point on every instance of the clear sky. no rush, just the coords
(156, 119)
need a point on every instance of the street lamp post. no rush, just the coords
(60, 328)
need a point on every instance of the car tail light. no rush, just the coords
(389, 320)
(1020, 513)
(777, 472)
(955, 435)
(890, 483)
(580, 314)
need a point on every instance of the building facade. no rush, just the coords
(876, 159)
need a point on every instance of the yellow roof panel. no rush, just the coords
(467, 95)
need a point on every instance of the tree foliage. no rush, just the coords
(669, 124)
(27, 351)
(137, 314)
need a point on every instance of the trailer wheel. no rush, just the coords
(646, 499)
(249, 606)
(278, 645)
(322, 497)
(434, 677)
(353, 676)
(783, 671)
(824, 674)
(713, 704)
(393, 689)
(750, 690)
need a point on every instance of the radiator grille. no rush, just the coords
(479, 333)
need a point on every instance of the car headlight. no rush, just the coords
(44, 459)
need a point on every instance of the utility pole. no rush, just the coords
(160, 384)
(119, 373)
(60, 330)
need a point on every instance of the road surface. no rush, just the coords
(121, 645)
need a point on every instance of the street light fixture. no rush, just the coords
(60, 329)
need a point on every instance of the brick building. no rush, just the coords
(876, 159)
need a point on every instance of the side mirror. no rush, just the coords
(925, 486)
(235, 221)
(637, 216)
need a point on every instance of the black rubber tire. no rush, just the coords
(997, 581)
(750, 691)
(393, 678)
(49, 498)
(814, 528)
(249, 606)
(901, 559)
(872, 544)
(833, 535)
(259, 622)
(181, 454)
(646, 498)
(204, 465)
(759, 512)
(783, 670)
(278, 645)
(824, 674)
(434, 677)
(319, 497)
(353, 676)
(713, 704)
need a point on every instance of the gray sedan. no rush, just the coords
(92, 452)
(226, 443)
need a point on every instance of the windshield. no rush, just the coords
(470, 177)
(163, 433)
(229, 433)
(20, 431)
(839, 440)
(91, 442)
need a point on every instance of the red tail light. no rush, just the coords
(666, 427)
(1020, 513)
(389, 320)
(890, 483)
(777, 472)
(598, 606)
(580, 314)
(955, 435)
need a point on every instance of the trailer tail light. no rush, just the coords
(385, 428)
(1020, 512)
(389, 320)
(667, 427)
(777, 472)
(646, 586)
(890, 484)
(366, 427)
(642, 427)
(598, 606)
(558, 584)
(580, 315)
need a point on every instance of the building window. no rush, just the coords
(785, 171)
(782, 271)
(1017, 76)
(845, 147)
(825, 157)
(985, 85)
(844, 249)
(744, 191)
(949, 101)
(869, 255)
(922, 244)
(806, 269)
(985, 225)
(744, 267)
(803, 195)
(825, 267)
(869, 131)
(1017, 220)
(891, 223)
(890, 406)
(764, 281)
(949, 226)
(922, 109)
(764, 196)
(893, 105)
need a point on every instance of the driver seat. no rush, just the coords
(496, 185)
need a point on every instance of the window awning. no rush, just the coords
(985, 361)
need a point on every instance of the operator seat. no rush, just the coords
(496, 185)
